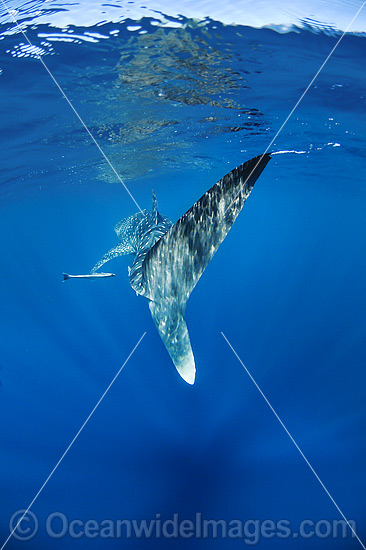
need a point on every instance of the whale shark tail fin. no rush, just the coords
(173, 266)
(185, 251)
(169, 320)
(65, 277)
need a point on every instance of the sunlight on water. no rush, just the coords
(283, 14)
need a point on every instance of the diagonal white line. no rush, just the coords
(39, 57)
(71, 444)
(313, 79)
(293, 441)
(298, 101)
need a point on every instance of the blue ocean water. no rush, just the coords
(176, 103)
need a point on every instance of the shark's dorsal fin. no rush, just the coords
(154, 207)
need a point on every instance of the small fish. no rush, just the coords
(89, 276)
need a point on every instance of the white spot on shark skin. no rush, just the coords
(222, 207)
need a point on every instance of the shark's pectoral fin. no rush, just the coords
(169, 320)
(120, 250)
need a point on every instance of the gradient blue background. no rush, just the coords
(287, 288)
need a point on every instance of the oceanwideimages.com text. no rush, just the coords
(251, 531)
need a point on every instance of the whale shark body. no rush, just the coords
(170, 258)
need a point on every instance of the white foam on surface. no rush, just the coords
(282, 14)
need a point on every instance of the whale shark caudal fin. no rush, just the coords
(173, 266)
(169, 320)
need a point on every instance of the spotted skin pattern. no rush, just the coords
(170, 259)
(137, 233)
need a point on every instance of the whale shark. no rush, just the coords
(170, 258)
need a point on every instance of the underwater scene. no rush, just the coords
(193, 387)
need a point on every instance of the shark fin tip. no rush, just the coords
(188, 371)
(190, 379)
